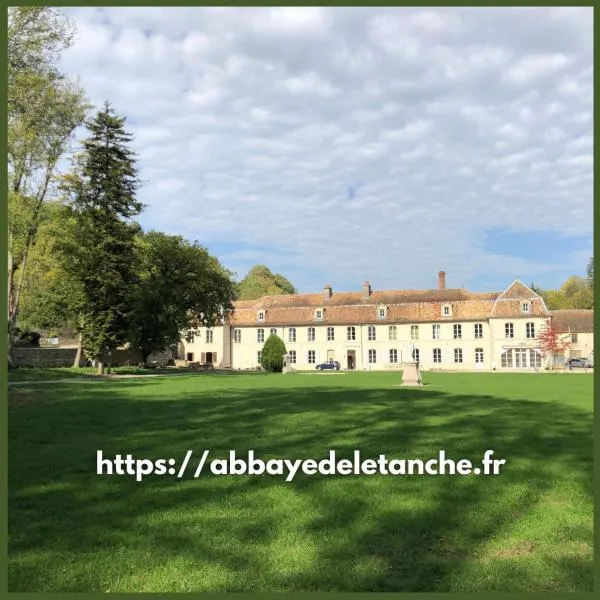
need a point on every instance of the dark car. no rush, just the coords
(330, 364)
(579, 363)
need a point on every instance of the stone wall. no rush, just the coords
(43, 357)
(64, 357)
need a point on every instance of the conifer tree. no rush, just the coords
(100, 251)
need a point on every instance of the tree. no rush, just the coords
(538, 290)
(51, 298)
(100, 255)
(551, 344)
(260, 281)
(271, 358)
(44, 109)
(35, 38)
(577, 293)
(180, 286)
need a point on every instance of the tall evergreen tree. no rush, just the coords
(100, 253)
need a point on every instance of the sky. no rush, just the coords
(337, 145)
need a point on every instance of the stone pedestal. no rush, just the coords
(286, 364)
(411, 374)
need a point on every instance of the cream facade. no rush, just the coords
(443, 329)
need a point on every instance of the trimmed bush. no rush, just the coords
(271, 358)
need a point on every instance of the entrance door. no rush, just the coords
(520, 357)
(351, 360)
(209, 358)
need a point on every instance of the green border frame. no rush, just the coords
(4, 308)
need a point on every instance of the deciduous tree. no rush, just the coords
(260, 281)
(180, 286)
(551, 343)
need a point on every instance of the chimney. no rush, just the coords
(442, 280)
(366, 289)
(327, 291)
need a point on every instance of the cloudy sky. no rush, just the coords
(337, 145)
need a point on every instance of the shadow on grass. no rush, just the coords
(352, 533)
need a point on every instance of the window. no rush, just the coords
(458, 355)
(525, 307)
(371, 333)
(209, 336)
(509, 330)
(237, 335)
(189, 337)
(351, 334)
(393, 355)
(189, 357)
(437, 355)
(260, 335)
(414, 332)
(506, 359)
(273, 331)
(393, 332)
(535, 359)
(292, 334)
(261, 315)
(435, 332)
(381, 312)
(446, 310)
(372, 356)
(312, 357)
(319, 314)
(530, 330)
(478, 355)
(457, 332)
(573, 338)
(330, 334)
(478, 331)
(416, 355)
(292, 357)
(258, 356)
(311, 334)
(520, 357)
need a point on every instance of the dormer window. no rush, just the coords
(446, 310)
(260, 316)
(525, 307)
(319, 314)
(381, 312)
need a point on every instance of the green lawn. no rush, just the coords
(53, 373)
(528, 529)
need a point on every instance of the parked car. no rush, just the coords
(330, 364)
(581, 363)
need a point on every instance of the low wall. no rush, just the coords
(43, 357)
(64, 357)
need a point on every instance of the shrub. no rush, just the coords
(271, 358)
(28, 338)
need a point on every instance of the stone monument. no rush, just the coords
(286, 364)
(411, 374)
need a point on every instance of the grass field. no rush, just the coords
(527, 529)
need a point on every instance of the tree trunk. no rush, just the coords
(145, 356)
(14, 292)
(77, 361)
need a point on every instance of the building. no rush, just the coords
(444, 329)
(577, 328)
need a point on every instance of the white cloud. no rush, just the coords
(359, 135)
(533, 67)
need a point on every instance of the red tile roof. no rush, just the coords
(403, 306)
(573, 321)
